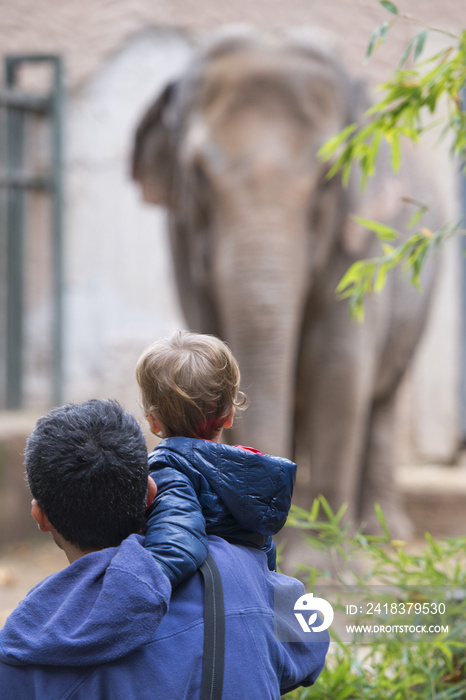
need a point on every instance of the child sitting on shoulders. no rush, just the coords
(190, 391)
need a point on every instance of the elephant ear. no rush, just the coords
(382, 194)
(154, 152)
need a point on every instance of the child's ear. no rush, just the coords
(229, 421)
(154, 425)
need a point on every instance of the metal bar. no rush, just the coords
(15, 181)
(14, 61)
(34, 103)
(25, 181)
(58, 210)
(15, 271)
(3, 264)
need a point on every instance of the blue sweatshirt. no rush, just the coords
(205, 488)
(98, 631)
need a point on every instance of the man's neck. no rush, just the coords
(73, 553)
(77, 553)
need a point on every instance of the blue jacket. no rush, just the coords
(98, 631)
(205, 488)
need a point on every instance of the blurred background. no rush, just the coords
(86, 279)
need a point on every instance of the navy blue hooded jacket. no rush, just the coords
(98, 631)
(205, 488)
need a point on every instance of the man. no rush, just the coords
(100, 628)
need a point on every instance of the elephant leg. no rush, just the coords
(378, 478)
(334, 393)
(336, 445)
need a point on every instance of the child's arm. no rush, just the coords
(176, 535)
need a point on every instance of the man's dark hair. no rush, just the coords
(87, 468)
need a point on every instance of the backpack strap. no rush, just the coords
(213, 659)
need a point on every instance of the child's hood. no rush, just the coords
(100, 608)
(255, 488)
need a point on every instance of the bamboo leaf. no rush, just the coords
(395, 152)
(384, 31)
(406, 53)
(381, 278)
(416, 217)
(346, 172)
(356, 307)
(421, 40)
(314, 510)
(384, 232)
(342, 510)
(331, 145)
(337, 166)
(389, 6)
(375, 36)
(327, 509)
(381, 519)
(351, 275)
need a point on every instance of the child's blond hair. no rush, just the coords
(189, 384)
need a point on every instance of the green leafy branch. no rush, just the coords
(369, 275)
(410, 94)
(416, 45)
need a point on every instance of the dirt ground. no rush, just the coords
(22, 566)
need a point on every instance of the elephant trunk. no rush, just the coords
(261, 277)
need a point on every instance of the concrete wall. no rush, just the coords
(119, 291)
(89, 31)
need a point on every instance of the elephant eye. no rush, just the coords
(199, 173)
(199, 176)
(200, 192)
(201, 184)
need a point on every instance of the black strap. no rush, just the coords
(213, 660)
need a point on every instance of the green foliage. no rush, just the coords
(389, 6)
(367, 276)
(410, 95)
(388, 669)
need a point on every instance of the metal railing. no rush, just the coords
(15, 181)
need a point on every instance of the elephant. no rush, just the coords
(260, 238)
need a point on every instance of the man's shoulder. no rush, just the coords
(245, 573)
(101, 603)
